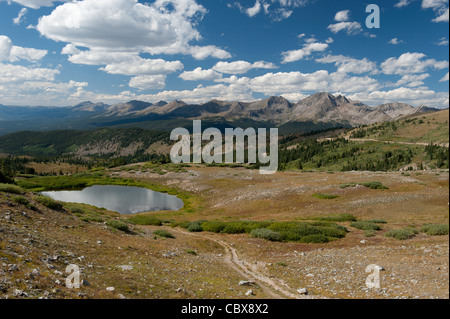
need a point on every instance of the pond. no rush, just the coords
(125, 200)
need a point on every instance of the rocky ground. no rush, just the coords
(37, 246)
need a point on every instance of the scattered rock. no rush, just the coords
(120, 296)
(303, 291)
(246, 283)
(126, 267)
(13, 267)
(249, 293)
(84, 282)
(20, 293)
(110, 289)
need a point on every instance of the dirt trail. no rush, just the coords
(274, 288)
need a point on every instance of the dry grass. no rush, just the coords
(337, 267)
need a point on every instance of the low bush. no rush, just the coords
(333, 232)
(347, 185)
(119, 225)
(315, 239)
(77, 211)
(402, 234)
(191, 252)
(266, 234)
(163, 233)
(214, 226)
(377, 221)
(275, 231)
(21, 200)
(374, 185)
(364, 225)
(436, 229)
(325, 196)
(371, 185)
(194, 227)
(11, 189)
(49, 202)
(370, 233)
(94, 219)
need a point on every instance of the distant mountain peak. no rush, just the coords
(277, 100)
(161, 103)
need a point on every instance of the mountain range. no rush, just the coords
(320, 109)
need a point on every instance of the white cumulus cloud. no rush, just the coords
(161, 27)
(241, 67)
(342, 16)
(200, 75)
(410, 63)
(307, 50)
(12, 53)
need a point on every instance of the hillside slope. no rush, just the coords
(424, 128)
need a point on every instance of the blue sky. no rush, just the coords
(60, 53)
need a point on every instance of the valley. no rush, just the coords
(343, 199)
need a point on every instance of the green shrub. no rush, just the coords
(77, 211)
(182, 224)
(297, 234)
(329, 224)
(371, 185)
(12, 189)
(338, 218)
(364, 225)
(21, 200)
(325, 196)
(214, 226)
(49, 202)
(402, 234)
(94, 219)
(235, 228)
(347, 185)
(191, 252)
(370, 233)
(145, 220)
(377, 221)
(119, 225)
(374, 185)
(315, 239)
(163, 233)
(284, 226)
(333, 232)
(436, 229)
(194, 227)
(266, 234)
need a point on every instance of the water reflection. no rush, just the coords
(122, 199)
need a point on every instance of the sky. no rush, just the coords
(61, 53)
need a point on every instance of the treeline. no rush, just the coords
(438, 153)
(365, 131)
(314, 151)
(344, 155)
(391, 160)
(9, 166)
